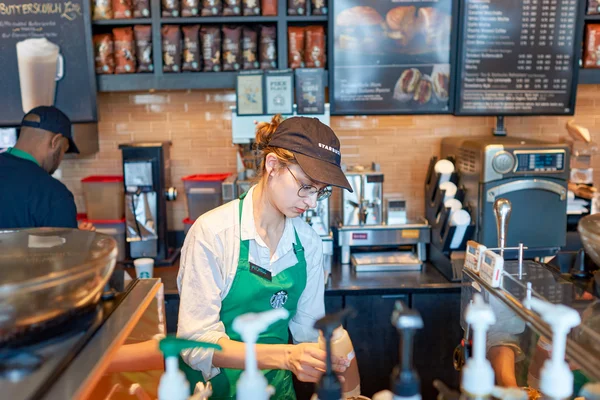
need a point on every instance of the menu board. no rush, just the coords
(518, 57)
(47, 59)
(391, 57)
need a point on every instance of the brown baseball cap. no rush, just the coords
(316, 148)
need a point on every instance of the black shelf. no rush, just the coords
(218, 20)
(174, 81)
(307, 18)
(119, 22)
(166, 81)
(589, 76)
(593, 18)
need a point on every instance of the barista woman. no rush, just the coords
(254, 254)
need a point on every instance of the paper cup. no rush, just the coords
(450, 189)
(445, 168)
(144, 267)
(461, 220)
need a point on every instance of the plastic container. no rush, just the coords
(114, 228)
(341, 346)
(104, 197)
(187, 225)
(203, 192)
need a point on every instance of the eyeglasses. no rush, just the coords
(310, 190)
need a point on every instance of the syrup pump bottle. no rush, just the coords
(405, 381)
(329, 387)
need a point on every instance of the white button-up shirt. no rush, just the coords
(209, 260)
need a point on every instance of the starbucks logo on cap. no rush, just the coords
(279, 299)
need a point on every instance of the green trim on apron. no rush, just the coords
(251, 293)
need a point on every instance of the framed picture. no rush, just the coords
(279, 89)
(249, 93)
(310, 91)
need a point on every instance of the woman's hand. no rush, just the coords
(307, 362)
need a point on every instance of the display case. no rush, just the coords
(520, 340)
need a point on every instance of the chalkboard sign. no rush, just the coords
(47, 58)
(392, 57)
(518, 57)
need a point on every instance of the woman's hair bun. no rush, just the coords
(265, 131)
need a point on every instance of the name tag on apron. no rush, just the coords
(263, 273)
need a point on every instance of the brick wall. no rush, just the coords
(198, 123)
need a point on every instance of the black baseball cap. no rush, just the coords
(53, 120)
(315, 147)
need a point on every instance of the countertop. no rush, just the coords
(345, 281)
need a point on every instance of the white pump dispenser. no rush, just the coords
(556, 376)
(252, 384)
(478, 375)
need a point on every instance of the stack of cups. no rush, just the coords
(458, 217)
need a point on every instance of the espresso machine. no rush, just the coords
(531, 174)
(363, 224)
(147, 176)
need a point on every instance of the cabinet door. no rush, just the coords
(172, 313)
(435, 343)
(375, 339)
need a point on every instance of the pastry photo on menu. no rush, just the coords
(423, 86)
(414, 30)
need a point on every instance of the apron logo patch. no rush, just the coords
(279, 299)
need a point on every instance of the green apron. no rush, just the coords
(251, 293)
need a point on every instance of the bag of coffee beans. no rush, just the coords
(122, 9)
(190, 8)
(170, 8)
(314, 51)
(232, 7)
(171, 46)
(211, 48)
(191, 48)
(124, 50)
(296, 46)
(249, 48)
(102, 10)
(319, 7)
(143, 47)
(269, 7)
(104, 53)
(267, 52)
(231, 48)
(211, 8)
(141, 8)
(251, 7)
(296, 7)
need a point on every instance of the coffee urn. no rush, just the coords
(147, 175)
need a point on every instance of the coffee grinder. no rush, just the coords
(147, 176)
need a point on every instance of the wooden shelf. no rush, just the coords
(218, 20)
(119, 22)
(307, 18)
(590, 76)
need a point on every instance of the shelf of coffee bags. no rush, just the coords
(307, 18)
(119, 22)
(218, 20)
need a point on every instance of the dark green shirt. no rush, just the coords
(30, 197)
